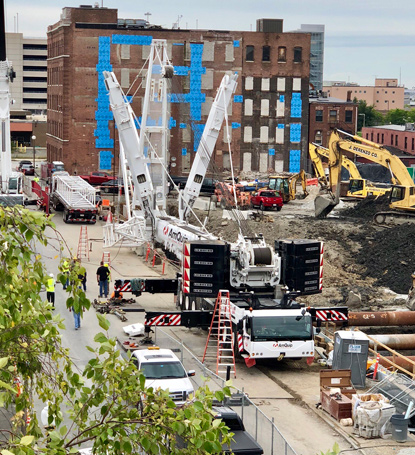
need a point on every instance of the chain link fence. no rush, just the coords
(261, 428)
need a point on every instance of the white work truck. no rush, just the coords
(163, 370)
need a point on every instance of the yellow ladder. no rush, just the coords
(220, 338)
(83, 247)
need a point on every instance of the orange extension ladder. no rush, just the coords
(106, 258)
(83, 248)
(220, 337)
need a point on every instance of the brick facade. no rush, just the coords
(88, 41)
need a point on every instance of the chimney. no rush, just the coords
(349, 96)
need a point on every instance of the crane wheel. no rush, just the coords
(380, 218)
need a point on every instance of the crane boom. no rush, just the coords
(206, 146)
(130, 141)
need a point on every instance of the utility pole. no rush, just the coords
(34, 152)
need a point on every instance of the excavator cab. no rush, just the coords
(356, 185)
(281, 184)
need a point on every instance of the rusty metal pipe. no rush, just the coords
(394, 342)
(382, 318)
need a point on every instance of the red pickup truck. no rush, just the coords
(97, 178)
(267, 199)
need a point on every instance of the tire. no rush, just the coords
(223, 203)
(261, 207)
(279, 209)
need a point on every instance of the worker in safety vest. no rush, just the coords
(65, 271)
(50, 290)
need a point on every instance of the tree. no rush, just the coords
(97, 406)
(400, 116)
(367, 115)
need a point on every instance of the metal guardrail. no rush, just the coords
(256, 422)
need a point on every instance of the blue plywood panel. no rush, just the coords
(295, 132)
(296, 105)
(105, 157)
(271, 152)
(184, 152)
(236, 43)
(238, 99)
(295, 157)
(132, 39)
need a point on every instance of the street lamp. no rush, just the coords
(34, 152)
(364, 119)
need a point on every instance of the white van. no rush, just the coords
(163, 370)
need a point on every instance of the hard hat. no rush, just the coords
(105, 265)
(51, 275)
(75, 258)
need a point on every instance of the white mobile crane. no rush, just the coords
(11, 182)
(250, 269)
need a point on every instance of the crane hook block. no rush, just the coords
(168, 71)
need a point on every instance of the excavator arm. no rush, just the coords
(292, 183)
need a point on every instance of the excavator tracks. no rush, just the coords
(392, 218)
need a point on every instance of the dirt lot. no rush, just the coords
(372, 262)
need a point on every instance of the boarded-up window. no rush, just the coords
(186, 163)
(125, 51)
(263, 162)
(208, 51)
(229, 53)
(265, 84)
(265, 108)
(186, 134)
(145, 52)
(280, 107)
(125, 77)
(263, 135)
(247, 162)
(248, 134)
(281, 84)
(279, 135)
(249, 83)
(279, 165)
(248, 107)
(296, 84)
(207, 80)
(207, 105)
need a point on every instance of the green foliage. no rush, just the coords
(368, 115)
(334, 451)
(106, 406)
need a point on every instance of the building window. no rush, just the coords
(348, 116)
(248, 134)
(249, 53)
(318, 138)
(319, 115)
(406, 143)
(266, 53)
(391, 139)
(282, 54)
(364, 91)
(333, 116)
(396, 140)
(298, 54)
(383, 138)
(371, 137)
(248, 107)
(263, 135)
(377, 138)
(413, 144)
(249, 83)
(265, 84)
(264, 108)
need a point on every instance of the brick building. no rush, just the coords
(269, 113)
(326, 114)
(399, 139)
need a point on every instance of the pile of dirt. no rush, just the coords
(387, 256)
(368, 207)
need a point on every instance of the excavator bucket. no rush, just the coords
(323, 205)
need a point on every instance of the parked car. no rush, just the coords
(27, 169)
(163, 369)
(98, 178)
(112, 186)
(21, 163)
(208, 184)
(267, 199)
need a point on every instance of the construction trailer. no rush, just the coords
(75, 197)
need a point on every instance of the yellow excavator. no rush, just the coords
(402, 194)
(287, 185)
(359, 188)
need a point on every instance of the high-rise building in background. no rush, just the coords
(268, 124)
(29, 59)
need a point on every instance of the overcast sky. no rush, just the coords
(364, 39)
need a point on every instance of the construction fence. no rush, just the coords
(261, 428)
